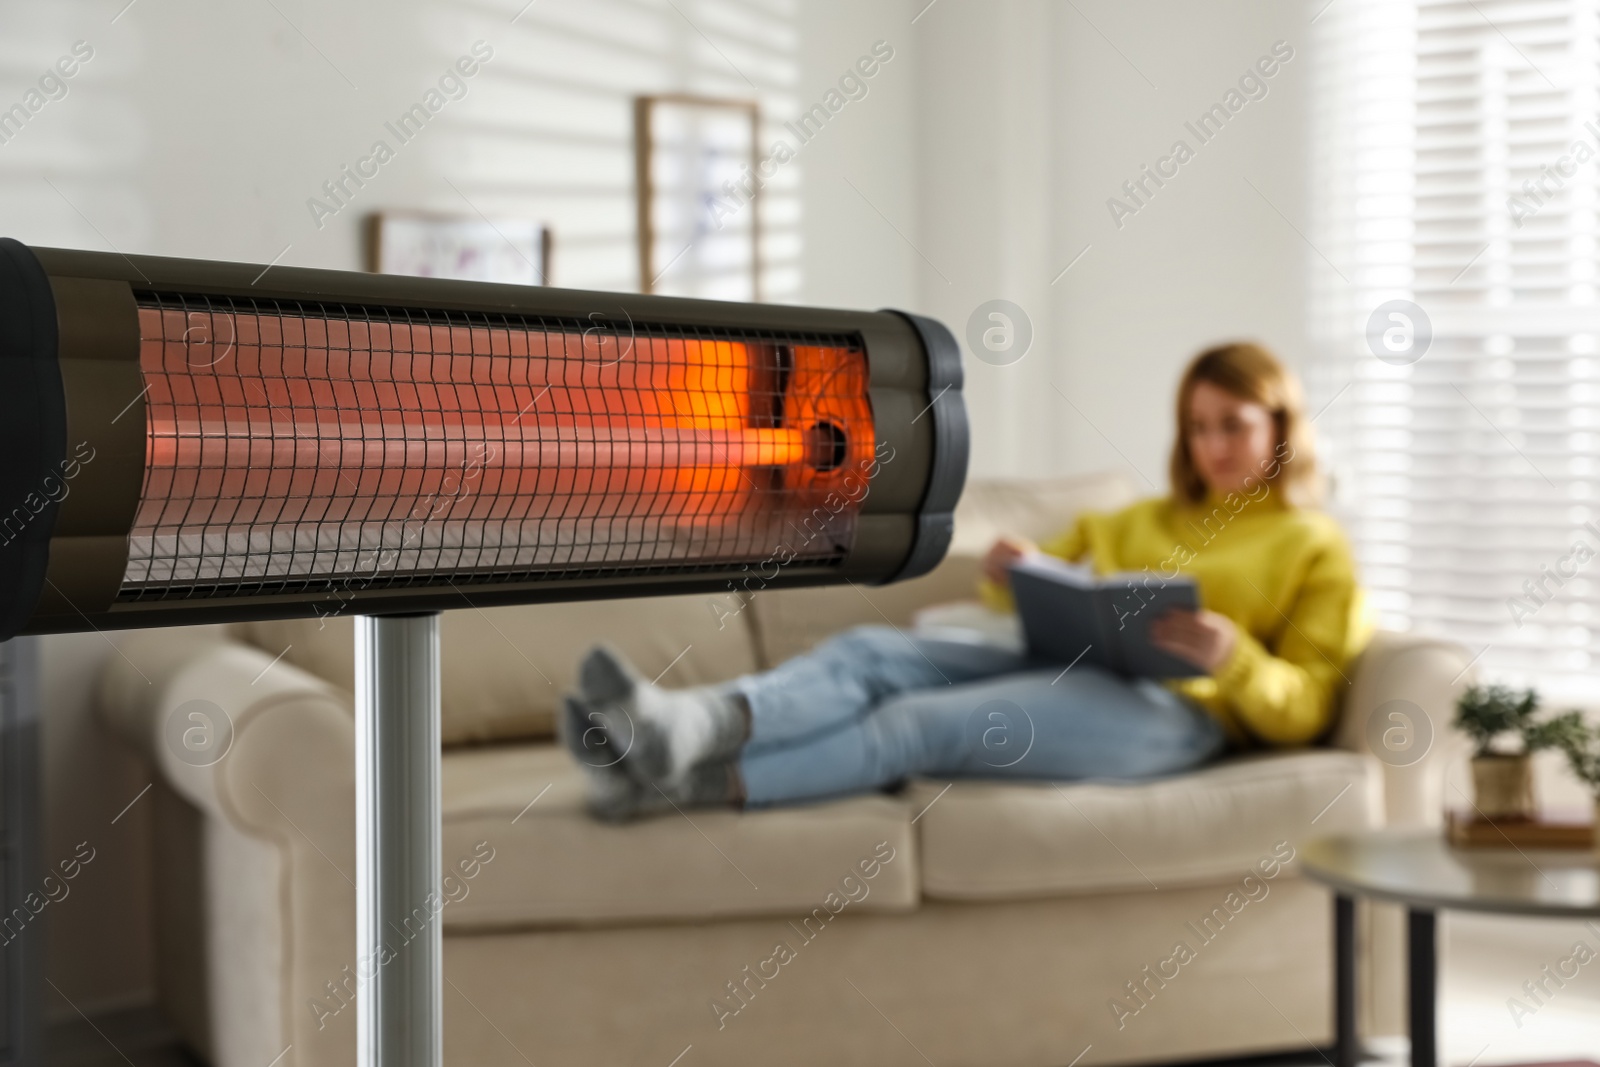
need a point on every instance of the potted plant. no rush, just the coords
(1502, 779)
(1581, 744)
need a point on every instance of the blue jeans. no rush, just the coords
(873, 705)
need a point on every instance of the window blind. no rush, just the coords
(1457, 164)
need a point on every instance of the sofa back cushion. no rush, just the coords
(789, 621)
(506, 668)
(1036, 509)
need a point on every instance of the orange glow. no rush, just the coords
(286, 444)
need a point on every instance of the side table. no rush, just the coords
(1419, 870)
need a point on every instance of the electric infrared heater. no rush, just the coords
(199, 442)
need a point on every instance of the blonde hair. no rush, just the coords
(1250, 372)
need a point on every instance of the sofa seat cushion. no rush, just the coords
(997, 841)
(554, 865)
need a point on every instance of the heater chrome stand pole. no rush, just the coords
(399, 947)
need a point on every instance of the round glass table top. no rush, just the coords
(1420, 869)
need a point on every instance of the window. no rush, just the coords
(1457, 163)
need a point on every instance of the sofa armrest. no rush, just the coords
(161, 670)
(285, 788)
(1399, 708)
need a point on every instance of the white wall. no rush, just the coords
(203, 130)
(864, 161)
(1033, 115)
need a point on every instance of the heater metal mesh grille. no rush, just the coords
(297, 447)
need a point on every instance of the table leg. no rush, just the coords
(1422, 964)
(1346, 1043)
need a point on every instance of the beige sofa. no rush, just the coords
(966, 924)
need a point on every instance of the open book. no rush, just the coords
(1069, 615)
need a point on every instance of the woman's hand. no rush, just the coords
(1001, 555)
(1203, 638)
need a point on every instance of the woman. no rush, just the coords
(868, 707)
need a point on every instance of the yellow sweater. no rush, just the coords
(1284, 575)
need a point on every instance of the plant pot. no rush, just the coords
(1502, 787)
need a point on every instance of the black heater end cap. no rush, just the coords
(33, 431)
(947, 474)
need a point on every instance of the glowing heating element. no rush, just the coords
(291, 445)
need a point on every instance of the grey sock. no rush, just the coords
(660, 734)
(706, 785)
(580, 729)
(617, 797)
(614, 794)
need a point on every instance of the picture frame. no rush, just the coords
(699, 203)
(463, 247)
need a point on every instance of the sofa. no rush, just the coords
(1019, 924)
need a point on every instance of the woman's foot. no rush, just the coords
(614, 795)
(659, 735)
